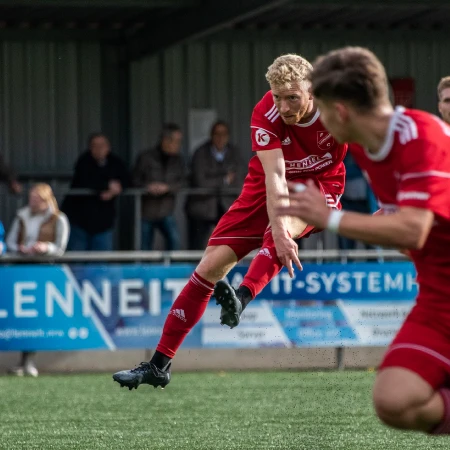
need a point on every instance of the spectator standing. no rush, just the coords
(444, 98)
(38, 229)
(215, 165)
(7, 176)
(161, 172)
(92, 217)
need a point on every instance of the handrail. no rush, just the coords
(194, 256)
(138, 194)
(141, 191)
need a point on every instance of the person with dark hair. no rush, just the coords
(92, 216)
(7, 176)
(215, 165)
(161, 172)
(406, 156)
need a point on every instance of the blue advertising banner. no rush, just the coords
(94, 306)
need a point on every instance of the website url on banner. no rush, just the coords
(12, 333)
(138, 331)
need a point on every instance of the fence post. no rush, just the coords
(137, 220)
(340, 358)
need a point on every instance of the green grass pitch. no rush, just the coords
(204, 411)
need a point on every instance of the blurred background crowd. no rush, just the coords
(86, 218)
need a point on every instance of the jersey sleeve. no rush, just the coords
(425, 178)
(263, 132)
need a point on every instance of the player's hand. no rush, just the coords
(309, 205)
(287, 252)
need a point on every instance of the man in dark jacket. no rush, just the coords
(161, 172)
(7, 176)
(215, 165)
(92, 217)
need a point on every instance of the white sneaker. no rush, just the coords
(18, 371)
(30, 370)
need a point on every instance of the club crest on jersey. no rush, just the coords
(324, 140)
(262, 137)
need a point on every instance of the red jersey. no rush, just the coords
(412, 168)
(309, 150)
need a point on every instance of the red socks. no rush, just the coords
(186, 311)
(263, 268)
(444, 426)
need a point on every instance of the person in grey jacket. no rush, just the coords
(161, 172)
(215, 165)
(39, 228)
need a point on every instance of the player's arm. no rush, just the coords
(408, 228)
(276, 187)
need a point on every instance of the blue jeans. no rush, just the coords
(166, 226)
(80, 240)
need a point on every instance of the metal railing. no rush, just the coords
(167, 258)
(137, 194)
(317, 242)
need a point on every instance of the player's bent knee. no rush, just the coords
(391, 415)
(398, 397)
(216, 262)
(390, 410)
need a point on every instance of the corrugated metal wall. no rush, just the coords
(226, 72)
(50, 101)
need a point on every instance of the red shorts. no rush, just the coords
(423, 347)
(243, 226)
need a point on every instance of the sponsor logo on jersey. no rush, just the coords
(324, 140)
(262, 137)
(309, 162)
(412, 195)
(287, 141)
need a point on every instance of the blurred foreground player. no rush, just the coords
(290, 143)
(406, 155)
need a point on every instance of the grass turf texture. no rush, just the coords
(204, 411)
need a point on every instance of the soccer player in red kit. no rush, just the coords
(406, 156)
(290, 143)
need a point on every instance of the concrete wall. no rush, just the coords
(205, 359)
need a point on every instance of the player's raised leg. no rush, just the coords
(263, 268)
(186, 311)
(404, 400)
